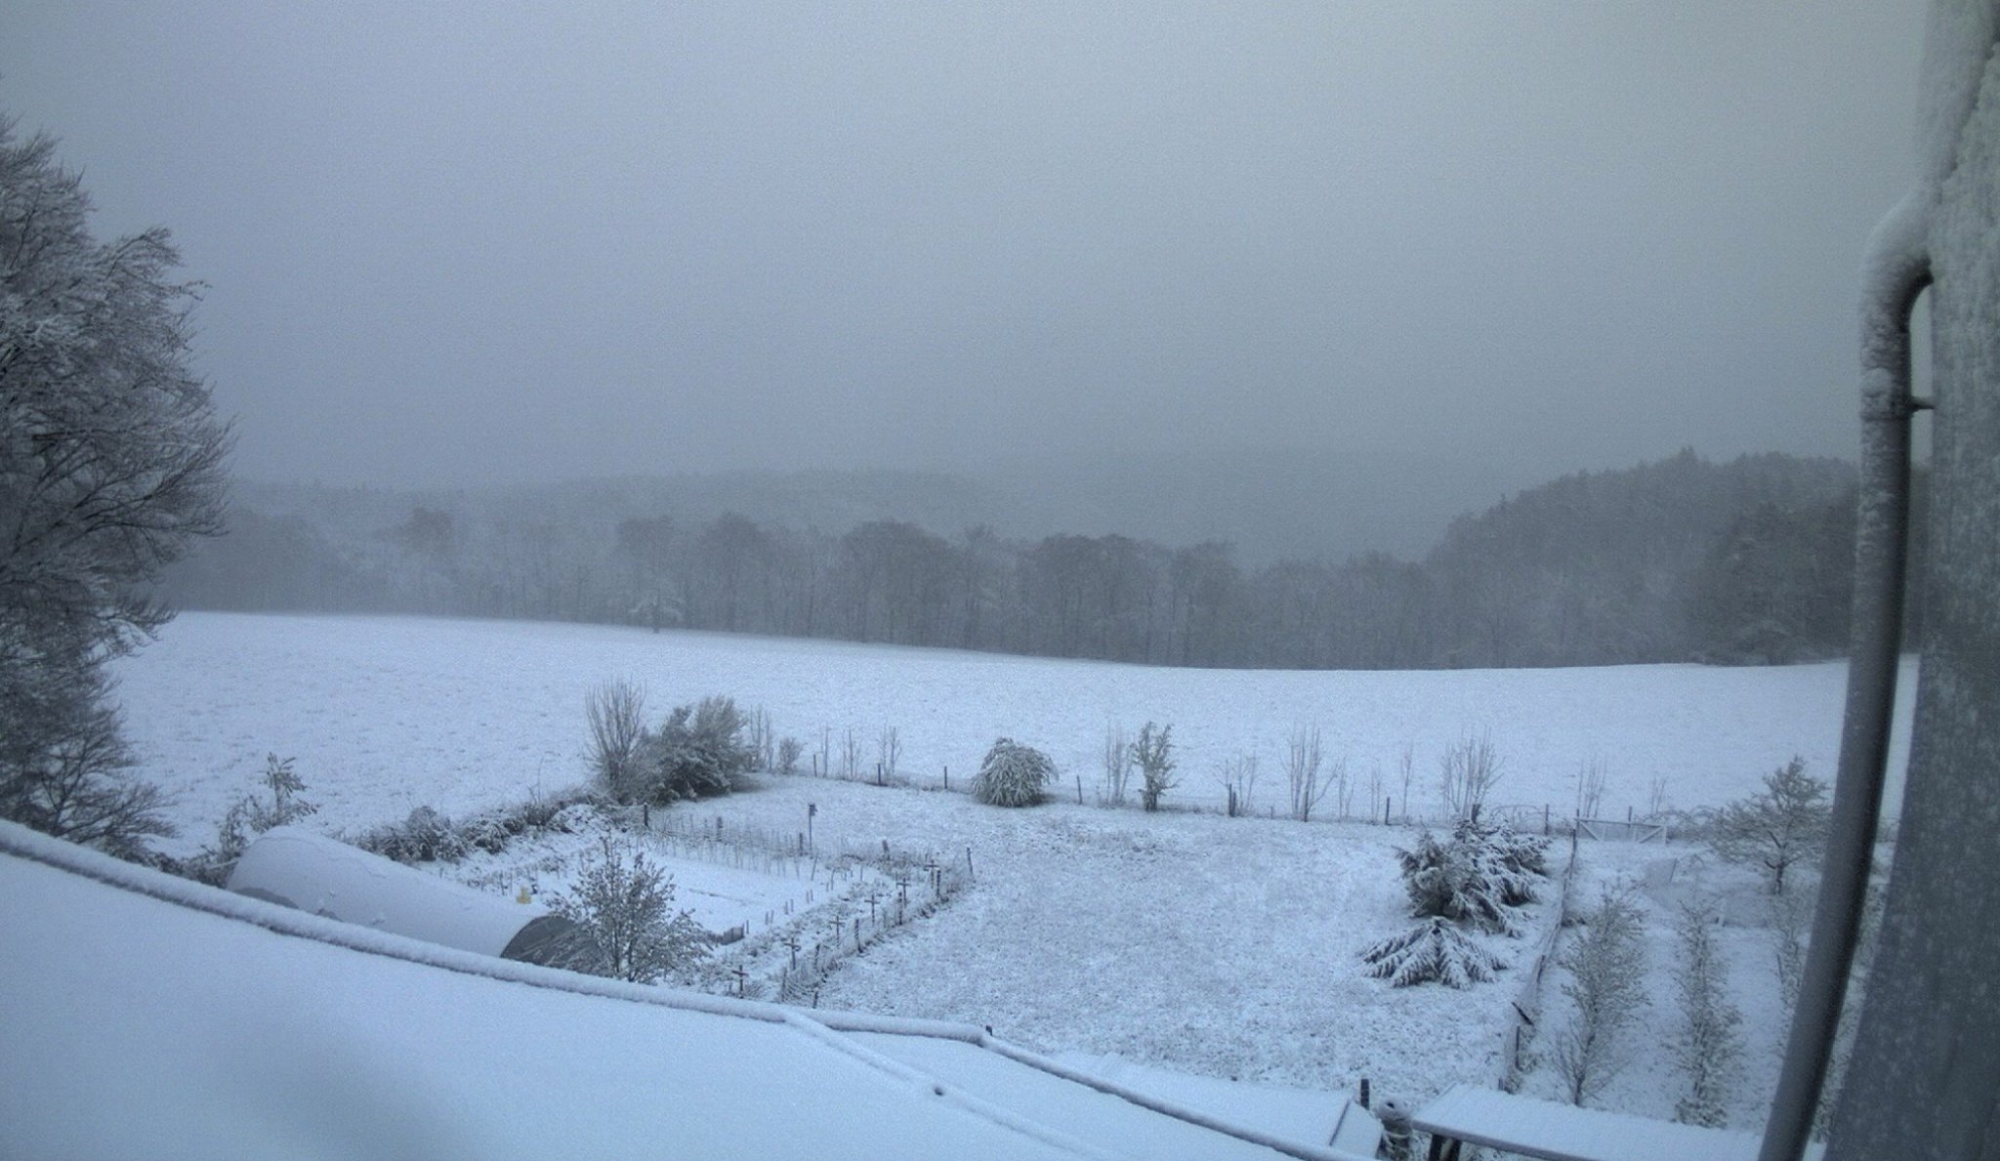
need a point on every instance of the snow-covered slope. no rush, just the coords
(388, 713)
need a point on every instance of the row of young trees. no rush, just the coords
(1746, 561)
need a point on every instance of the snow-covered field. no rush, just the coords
(1223, 947)
(387, 713)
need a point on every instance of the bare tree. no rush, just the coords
(850, 755)
(111, 460)
(1591, 778)
(1407, 765)
(616, 710)
(1656, 797)
(1777, 829)
(1117, 764)
(1303, 775)
(763, 739)
(888, 751)
(1467, 772)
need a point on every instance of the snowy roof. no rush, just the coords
(328, 877)
(1558, 1132)
(194, 1022)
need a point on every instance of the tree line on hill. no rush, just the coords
(1740, 562)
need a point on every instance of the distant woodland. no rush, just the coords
(1740, 562)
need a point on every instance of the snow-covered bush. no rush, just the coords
(1012, 775)
(487, 832)
(1606, 964)
(625, 910)
(1479, 876)
(699, 750)
(1432, 950)
(789, 750)
(424, 837)
(1707, 1047)
(1153, 754)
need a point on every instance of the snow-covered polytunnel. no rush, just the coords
(327, 877)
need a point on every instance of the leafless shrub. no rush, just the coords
(1238, 779)
(888, 751)
(1590, 783)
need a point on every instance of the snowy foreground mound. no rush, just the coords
(147, 1016)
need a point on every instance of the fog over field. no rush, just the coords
(1417, 258)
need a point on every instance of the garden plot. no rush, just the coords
(721, 889)
(1221, 947)
(780, 921)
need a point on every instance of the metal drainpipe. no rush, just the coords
(1897, 271)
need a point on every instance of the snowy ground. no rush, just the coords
(1222, 947)
(384, 713)
(289, 1035)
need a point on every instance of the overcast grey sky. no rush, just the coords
(456, 243)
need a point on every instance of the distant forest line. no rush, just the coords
(1741, 562)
